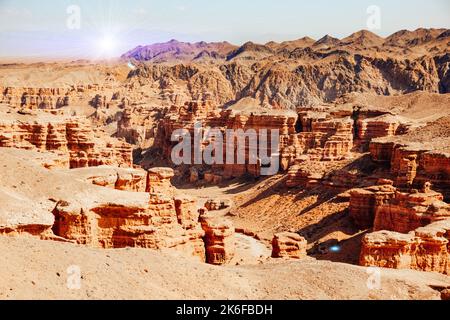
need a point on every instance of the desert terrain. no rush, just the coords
(358, 207)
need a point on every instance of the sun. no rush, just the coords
(107, 46)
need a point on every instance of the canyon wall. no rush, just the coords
(288, 245)
(48, 97)
(72, 138)
(118, 208)
(412, 163)
(242, 125)
(424, 249)
(411, 230)
(164, 220)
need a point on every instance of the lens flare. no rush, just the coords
(107, 46)
(335, 248)
(131, 65)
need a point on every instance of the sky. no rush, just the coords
(108, 28)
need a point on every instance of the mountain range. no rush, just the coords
(299, 72)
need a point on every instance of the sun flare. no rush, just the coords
(107, 46)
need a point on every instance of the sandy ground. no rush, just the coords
(35, 269)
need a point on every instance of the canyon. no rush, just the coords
(359, 167)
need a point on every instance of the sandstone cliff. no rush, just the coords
(71, 138)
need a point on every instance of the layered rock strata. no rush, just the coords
(219, 240)
(412, 231)
(412, 164)
(71, 138)
(424, 249)
(163, 221)
(288, 245)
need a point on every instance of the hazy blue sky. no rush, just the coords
(39, 27)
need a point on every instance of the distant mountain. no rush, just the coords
(291, 45)
(326, 42)
(436, 40)
(251, 51)
(301, 72)
(175, 51)
(363, 39)
(406, 38)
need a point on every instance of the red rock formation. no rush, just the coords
(185, 117)
(288, 245)
(137, 125)
(381, 126)
(158, 180)
(47, 98)
(306, 174)
(424, 249)
(380, 151)
(407, 212)
(413, 164)
(365, 202)
(217, 204)
(36, 98)
(163, 221)
(125, 179)
(71, 138)
(323, 137)
(219, 240)
(187, 211)
(415, 233)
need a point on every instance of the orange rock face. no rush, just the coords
(36, 98)
(72, 138)
(46, 98)
(186, 116)
(365, 202)
(163, 221)
(125, 179)
(414, 233)
(288, 245)
(153, 226)
(413, 164)
(219, 240)
(407, 212)
(425, 249)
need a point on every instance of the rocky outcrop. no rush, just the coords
(125, 179)
(48, 98)
(307, 174)
(153, 225)
(365, 202)
(138, 125)
(207, 116)
(412, 231)
(219, 240)
(36, 98)
(288, 245)
(382, 126)
(322, 138)
(176, 50)
(217, 204)
(164, 220)
(406, 212)
(425, 249)
(287, 77)
(413, 164)
(158, 180)
(71, 138)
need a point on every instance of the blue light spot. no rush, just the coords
(131, 66)
(335, 248)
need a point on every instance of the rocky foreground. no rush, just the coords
(39, 270)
